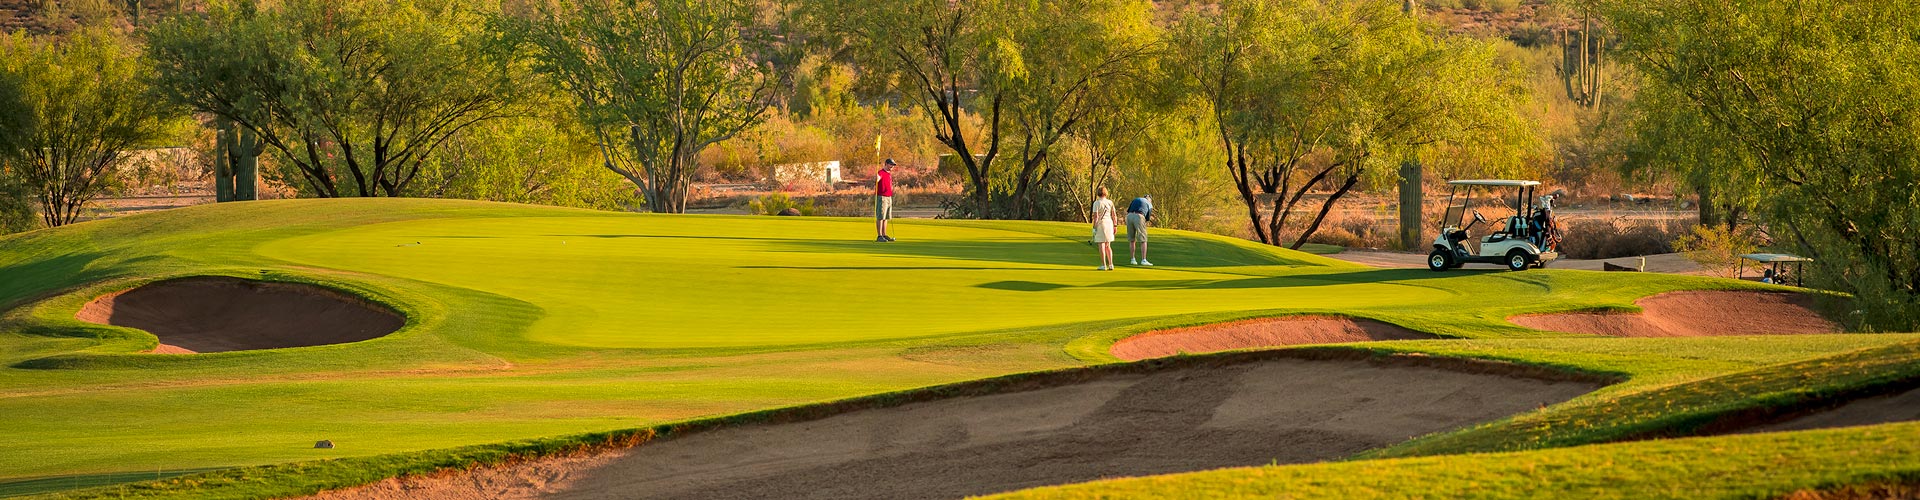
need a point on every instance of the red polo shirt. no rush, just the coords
(884, 184)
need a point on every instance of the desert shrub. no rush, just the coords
(1358, 230)
(1607, 239)
(1532, 34)
(16, 204)
(1716, 248)
(774, 203)
(543, 161)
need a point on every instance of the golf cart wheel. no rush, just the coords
(1518, 261)
(1440, 260)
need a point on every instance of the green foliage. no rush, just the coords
(352, 96)
(539, 160)
(84, 107)
(1324, 94)
(1717, 248)
(16, 124)
(655, 81)
(1178, 162)
(16, 204)
(774, 203)
(1816, 104)
(1030, 72)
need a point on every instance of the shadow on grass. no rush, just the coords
(1182, 252)
(50, 484)
(1404, 277)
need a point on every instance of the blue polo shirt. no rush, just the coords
(1140, 206)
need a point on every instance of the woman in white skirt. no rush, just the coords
(1103, 227)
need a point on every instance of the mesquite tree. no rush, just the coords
(1313, 95)
(993, 76)
(83, 108)
(353, 95)
(656, 80)
(1815, 104)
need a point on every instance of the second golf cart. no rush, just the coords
(1528, 238)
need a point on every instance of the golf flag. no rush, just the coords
(876, 144)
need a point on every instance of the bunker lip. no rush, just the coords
(1154, 417)
(1261, 332)
(218, 314)
(1695, 314)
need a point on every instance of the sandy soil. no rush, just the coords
(1696, 314)
(1273, 410)
(215, 314)
(1264, 332)
(1901, 407)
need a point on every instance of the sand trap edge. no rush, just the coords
(608, 441)
(1658, 319)
(1273, 331)
(95, 311)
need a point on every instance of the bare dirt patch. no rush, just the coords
(1695, 314)
(1263, 332)
(1190, 417)
(217, 314)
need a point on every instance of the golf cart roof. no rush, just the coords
(1493, 182)
(1774, 257)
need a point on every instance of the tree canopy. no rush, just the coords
(656, 80)
(1313, 94)
(1820, 104)
(352, 95)
(994, 76)
(80, 108)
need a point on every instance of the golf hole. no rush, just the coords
(1263, 332)
(1695, 314)
(220, 314)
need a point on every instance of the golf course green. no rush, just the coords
(527, 322)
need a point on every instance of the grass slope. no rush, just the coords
(530, 321)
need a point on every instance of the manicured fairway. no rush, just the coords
(528, 322)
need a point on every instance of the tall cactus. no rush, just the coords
(246, 167)
(236, 163)
(1580, 68)
(222, 161)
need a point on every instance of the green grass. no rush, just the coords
(1747, 466)
(535, 329)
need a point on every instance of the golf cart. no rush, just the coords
(1528, 238)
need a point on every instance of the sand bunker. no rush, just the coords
(1695, 314)
(1258, 408)
(1897, 407)
(216, 314)
(1264, 332)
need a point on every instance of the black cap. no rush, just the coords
(890, 162)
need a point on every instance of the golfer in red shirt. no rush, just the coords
(883, 201)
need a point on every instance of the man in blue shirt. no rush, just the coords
(1138, 213)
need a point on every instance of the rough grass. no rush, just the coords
(530, 322)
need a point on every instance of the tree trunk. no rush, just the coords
(1324, 208)
(1709, 215)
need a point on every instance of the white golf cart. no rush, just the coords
(1528, 238)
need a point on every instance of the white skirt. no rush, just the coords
(1103, 231)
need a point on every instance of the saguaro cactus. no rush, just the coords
(246, 167)
(1580, 68)
(1411, 177)
(222, 166)
(236, 163)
